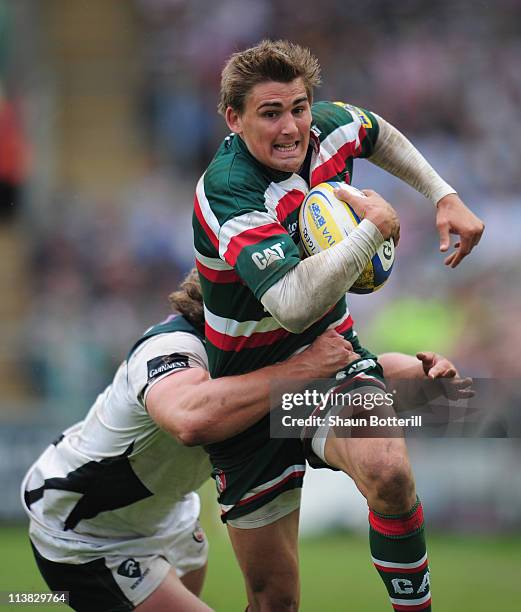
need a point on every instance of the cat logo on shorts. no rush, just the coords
(130, 569)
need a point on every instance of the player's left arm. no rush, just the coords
(395, 153)
(400, 368)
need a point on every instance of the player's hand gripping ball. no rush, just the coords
(325, 220)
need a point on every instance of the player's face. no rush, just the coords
(275, 124)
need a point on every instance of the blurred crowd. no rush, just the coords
(449, 70)
(445, 73)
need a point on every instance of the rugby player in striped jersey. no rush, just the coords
(262, 303)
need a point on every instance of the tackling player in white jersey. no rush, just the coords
(113, 512)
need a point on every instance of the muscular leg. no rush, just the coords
(173, 594)
(268, 557)
(381, 470)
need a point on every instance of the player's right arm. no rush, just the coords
(198, 410)
(395, 153)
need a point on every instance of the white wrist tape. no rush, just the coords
(313, 286)
(396, 154)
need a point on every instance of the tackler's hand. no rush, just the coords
(437, 366)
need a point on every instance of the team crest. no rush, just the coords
(130, 569)
(220, 480)
(198, 533)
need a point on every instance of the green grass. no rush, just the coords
(469, 574)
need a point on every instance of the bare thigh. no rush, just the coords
(194, 580)
(173, 594)
(268, 557)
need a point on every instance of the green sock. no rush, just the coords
(399, 554)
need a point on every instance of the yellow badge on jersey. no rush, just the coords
(362, 115)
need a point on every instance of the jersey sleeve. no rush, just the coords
(345, 130)
(243, 227)
(368, 128)
(161, 356)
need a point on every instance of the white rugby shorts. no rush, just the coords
(138, 565)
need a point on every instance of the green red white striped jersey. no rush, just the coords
(246, 238)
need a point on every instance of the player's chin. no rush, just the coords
(287, 163)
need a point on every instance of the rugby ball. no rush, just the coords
(324, 220)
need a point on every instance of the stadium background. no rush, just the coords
(107, 117)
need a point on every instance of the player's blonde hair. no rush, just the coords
(188, 299)
(280, 61)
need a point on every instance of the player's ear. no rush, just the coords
(233, 120)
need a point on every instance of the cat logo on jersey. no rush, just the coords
(265, 258)
(361, 114)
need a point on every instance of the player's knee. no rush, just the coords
(395, 487)
(275, 601)
(390, 482)
(274, 595)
